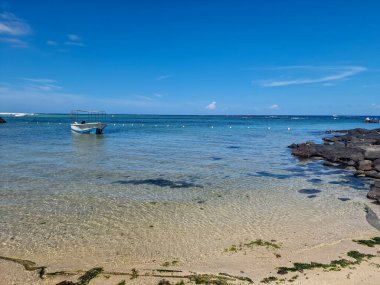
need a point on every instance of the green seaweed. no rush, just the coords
(85, 278)
(163, 282)
(232, 248)
(368, 242)
(241, 278)
(166, 282)
(269, 279)
(134, 273)
(358, 256)
(334, 265)
(28, 265)
(169, 263)
(258, 242)
(168, 270)
(209, 279)
(89, 275)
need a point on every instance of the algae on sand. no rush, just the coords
(334, 265)
(85, 278)
(368, 242)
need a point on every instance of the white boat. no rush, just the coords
(84, 121)
(372, 120)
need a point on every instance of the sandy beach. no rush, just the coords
(238, 254)
(260, 265)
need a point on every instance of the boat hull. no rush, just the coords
(86, 128)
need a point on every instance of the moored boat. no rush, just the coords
(90, 121)
(372, 120)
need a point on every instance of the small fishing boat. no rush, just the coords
(372, 120)
(84, 121)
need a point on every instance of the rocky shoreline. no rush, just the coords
(356, 149)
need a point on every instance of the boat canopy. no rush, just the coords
(87, 115)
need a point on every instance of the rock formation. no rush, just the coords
(356, 148)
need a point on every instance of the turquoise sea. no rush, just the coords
(167, 186)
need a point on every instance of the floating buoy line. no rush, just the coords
(155, 126)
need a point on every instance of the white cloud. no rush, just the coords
(341, 73)
(21, 98)
(375, 106)
(11, 29)
(163, 77)
(74, 37)
(34, 100)
(74, 40)
(158, 95)
(14, 42)
(12, 26)
(52, 43)
(211, 106)
(42, 84)
(144, 98)
(79, 44)
(274, 107)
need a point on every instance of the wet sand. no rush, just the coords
(257, 264)
(322, 239)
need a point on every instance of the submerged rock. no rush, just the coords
(161, 182)
(309, 191)
(2, 121)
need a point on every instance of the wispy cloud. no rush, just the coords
(375, 106)
(74, 37)
(145, 98)
(12, 29)
(74, 40)
(274, 107)
(42, 84)
(158, 95)
(23, 97)
(163, 77)
(15, 42)
(51, 43)
(211, 106)
(71, 40)
(69, 43)
(340, 73)
(12, 26)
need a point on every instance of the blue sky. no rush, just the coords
(191, 57)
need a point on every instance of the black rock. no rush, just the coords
(357, 148)
(374, 193)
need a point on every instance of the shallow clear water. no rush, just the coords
(153, 187)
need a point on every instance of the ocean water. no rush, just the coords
(156, 187)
